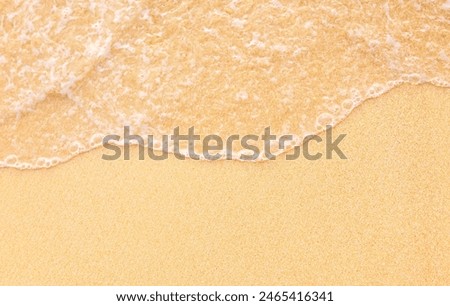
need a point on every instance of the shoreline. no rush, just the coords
(378, 218)
(227, 154)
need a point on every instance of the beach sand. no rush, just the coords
(381, 217)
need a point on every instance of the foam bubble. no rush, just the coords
(376, 90)
(42, 162)
(413, 78)
(324, 120)
(96, 140)
(76, 147)
(11, 160)
(348, 104)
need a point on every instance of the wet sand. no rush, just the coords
(381, 217)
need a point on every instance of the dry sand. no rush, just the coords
(379, 218)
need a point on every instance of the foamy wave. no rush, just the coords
(73, 73)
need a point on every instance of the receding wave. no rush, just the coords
(73, 72)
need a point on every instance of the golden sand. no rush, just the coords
(379, 218)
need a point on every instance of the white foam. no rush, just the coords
(446, 5)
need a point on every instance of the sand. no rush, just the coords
(381, 217)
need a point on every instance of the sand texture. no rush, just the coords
(381, 217)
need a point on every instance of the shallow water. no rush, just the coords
(74, 71)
